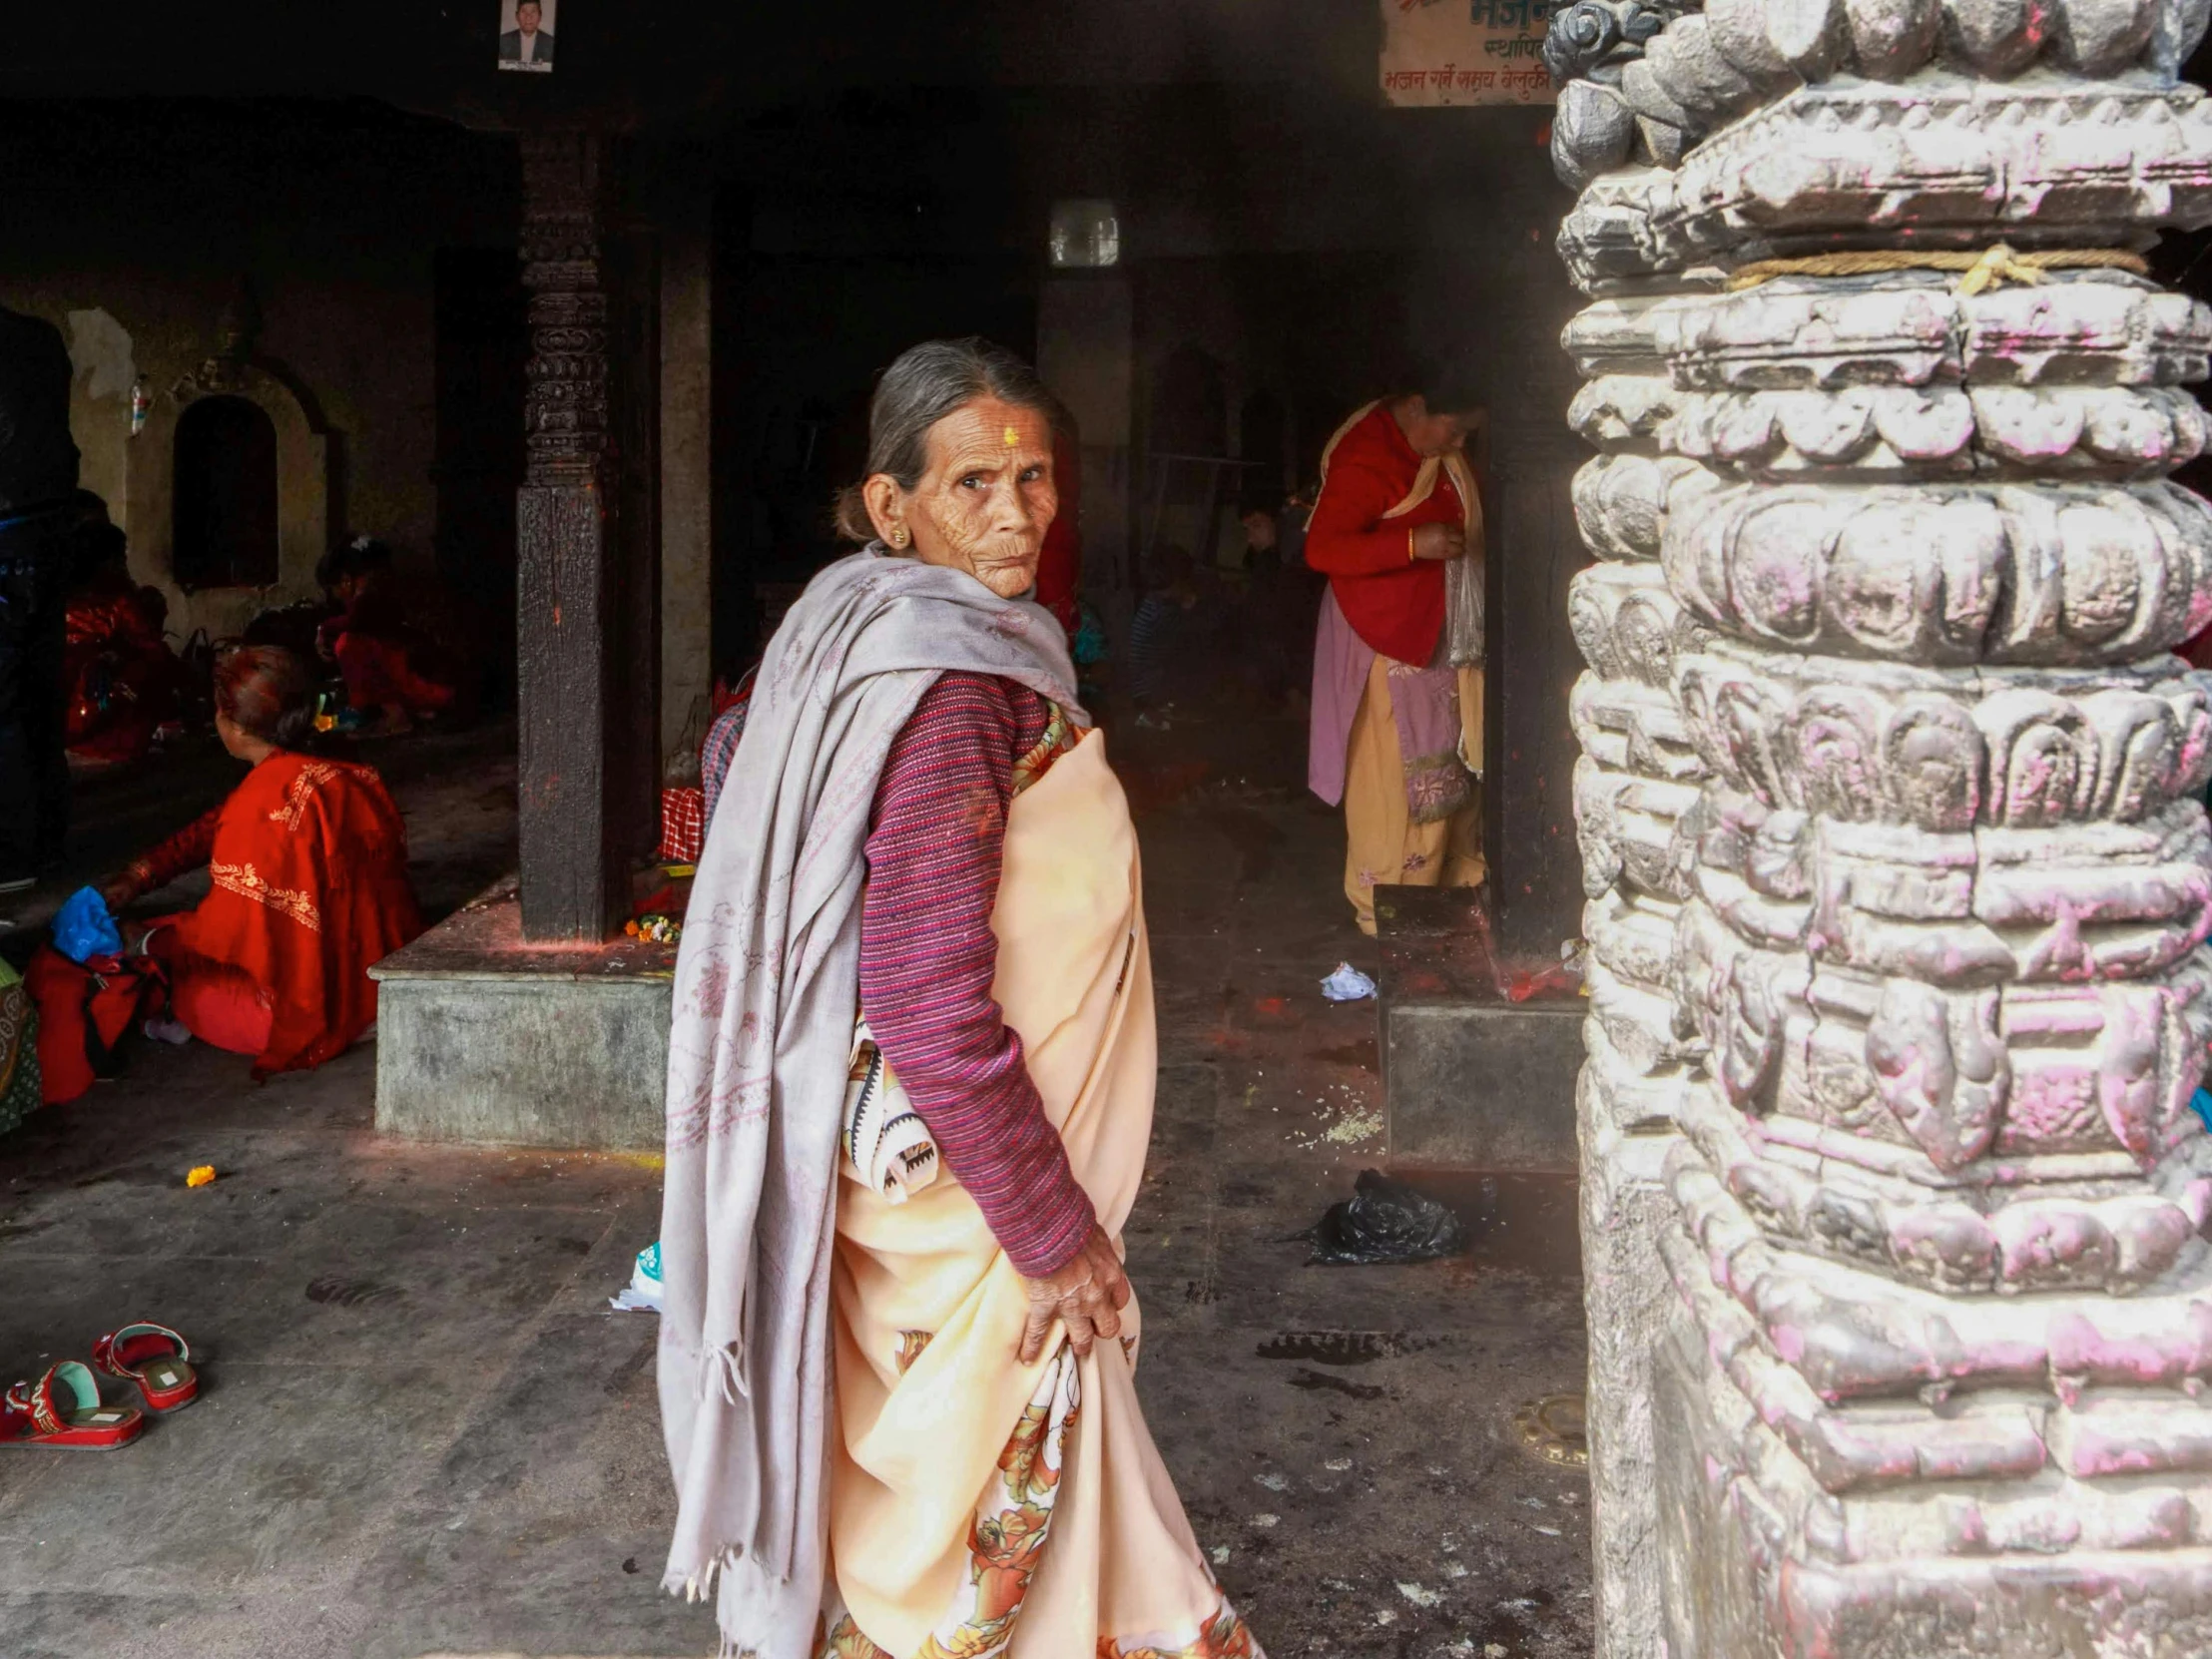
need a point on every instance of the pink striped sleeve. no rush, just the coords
(927, 957)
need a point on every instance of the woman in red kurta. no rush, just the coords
(391, 670)
(307, 861)
(1397, 504)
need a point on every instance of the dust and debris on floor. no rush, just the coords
(424, 1432)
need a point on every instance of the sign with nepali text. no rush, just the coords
(1440, 52)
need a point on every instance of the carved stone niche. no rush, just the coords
(302, 496)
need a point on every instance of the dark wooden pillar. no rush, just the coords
(1537, 862)
(567, 638)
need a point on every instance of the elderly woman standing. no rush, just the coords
(901, 1414)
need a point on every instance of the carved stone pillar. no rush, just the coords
(572, 872)
(1639, 779)
(1900, 1317)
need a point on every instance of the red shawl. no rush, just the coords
(1060, 563)
(309, 874)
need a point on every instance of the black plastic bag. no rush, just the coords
(1385, 1221)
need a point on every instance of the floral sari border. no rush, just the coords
(1007, 1542)
(1221, 1636)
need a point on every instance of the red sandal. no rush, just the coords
(63, 1410)
(156, 1358)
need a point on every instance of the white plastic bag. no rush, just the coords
(1348, 984)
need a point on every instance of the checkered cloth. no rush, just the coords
(683, 824)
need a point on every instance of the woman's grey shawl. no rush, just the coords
(766, 984)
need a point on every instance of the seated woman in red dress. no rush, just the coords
(120, 678)
(392, 671)
(308, 861)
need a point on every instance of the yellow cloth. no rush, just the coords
(947, 1525)
(1470, 721)
(1383, 843)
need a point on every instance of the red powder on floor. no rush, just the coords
(1519, 984)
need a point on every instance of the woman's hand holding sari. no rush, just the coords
(1087, 1294)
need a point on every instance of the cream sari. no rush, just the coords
(978, 1506)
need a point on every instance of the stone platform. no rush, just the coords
(1479, 1059)
(483, 1038)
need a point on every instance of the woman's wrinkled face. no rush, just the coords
(985, 501)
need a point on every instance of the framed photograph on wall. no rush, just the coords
(526, 35)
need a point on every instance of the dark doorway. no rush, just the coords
(855, 232)
(816, 332)
(1190, 405)
(225, 527)
(483, 342)
(813, 332)
(632, 277)
(1190, 475)
(1263, 439)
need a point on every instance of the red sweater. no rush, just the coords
(1393, 601)
(928, 955)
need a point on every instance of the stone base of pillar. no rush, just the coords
(1759, 1565)
(1851, 1468)
(481, 1038)
(1477, 1086)
(1471, 1079)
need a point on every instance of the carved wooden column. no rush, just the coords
(1889, 808)
(572, 871)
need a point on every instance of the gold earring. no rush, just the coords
(898, 538)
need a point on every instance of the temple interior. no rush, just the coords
(569, 366)
(296, 304)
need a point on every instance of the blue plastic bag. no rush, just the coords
(2203, 1105)
(84, 929)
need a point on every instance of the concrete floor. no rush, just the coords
(425, 1433)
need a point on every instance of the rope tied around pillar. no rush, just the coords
(1985, 270)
